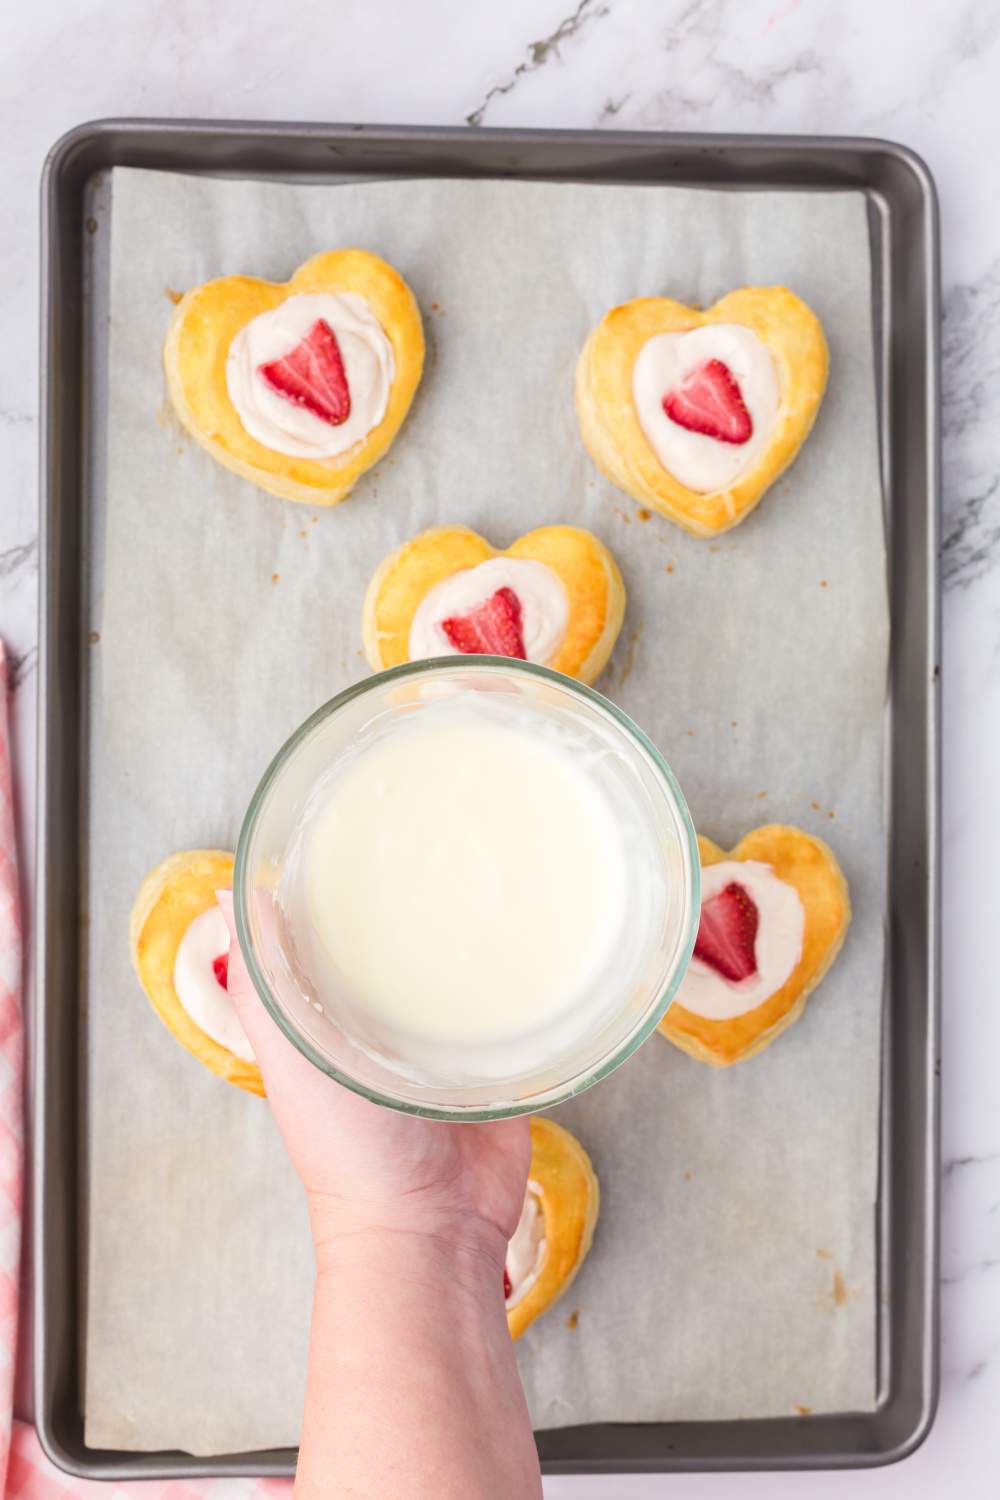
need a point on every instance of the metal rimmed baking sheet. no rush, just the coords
(901, 215)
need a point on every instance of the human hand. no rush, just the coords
(410, 1222)
(367, 1168)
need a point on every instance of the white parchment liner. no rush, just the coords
(732, 1273)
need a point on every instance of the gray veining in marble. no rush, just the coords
(539, 53)
(971, 385)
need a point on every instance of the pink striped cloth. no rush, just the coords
(25, 1472)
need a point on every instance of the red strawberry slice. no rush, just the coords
(728, 933)
(710, 401)
(220, 968)
(493, 628)
(508, 1285)
(312, 375)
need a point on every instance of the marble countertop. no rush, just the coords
(923, 75)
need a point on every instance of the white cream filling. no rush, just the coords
(542, 595)
(699, 462)
(777, 949)
(526, 1251)
(198, 990)
(369, 366)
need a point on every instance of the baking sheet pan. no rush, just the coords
(901, 214)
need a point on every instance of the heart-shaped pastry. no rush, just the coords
(180, 949)
(299, 386)
(555, 597)
(774, 913)
(556, 1226)
(697, 413)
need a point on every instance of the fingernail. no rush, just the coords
(225, 900)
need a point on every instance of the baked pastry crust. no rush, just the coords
(570, 1202)
(207, 319)
(587, 569)
(169, 899)
(609, 424)
(808, 864)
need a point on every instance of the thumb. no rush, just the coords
(273, 1051)
(261, 1031)
(238, 981)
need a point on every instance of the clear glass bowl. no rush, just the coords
(642, 789)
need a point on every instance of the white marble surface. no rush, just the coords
(920, 71)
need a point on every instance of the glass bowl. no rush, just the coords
(662, 904)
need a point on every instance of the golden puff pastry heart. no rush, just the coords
(180, 949)
(697, 413)
(555, 597)
(774, 914)
(299, 386)
(557, 1224)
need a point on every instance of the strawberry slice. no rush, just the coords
(508, 1286)
(312, 375)
(710, 401)
(728, 933)
(220, 968)
(493, 628)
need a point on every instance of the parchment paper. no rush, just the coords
(732, 1274)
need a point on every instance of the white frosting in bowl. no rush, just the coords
(284, 426)
(777, 948)
(526, 1251)
(540, 590)
(198, 989)
(664, 362)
